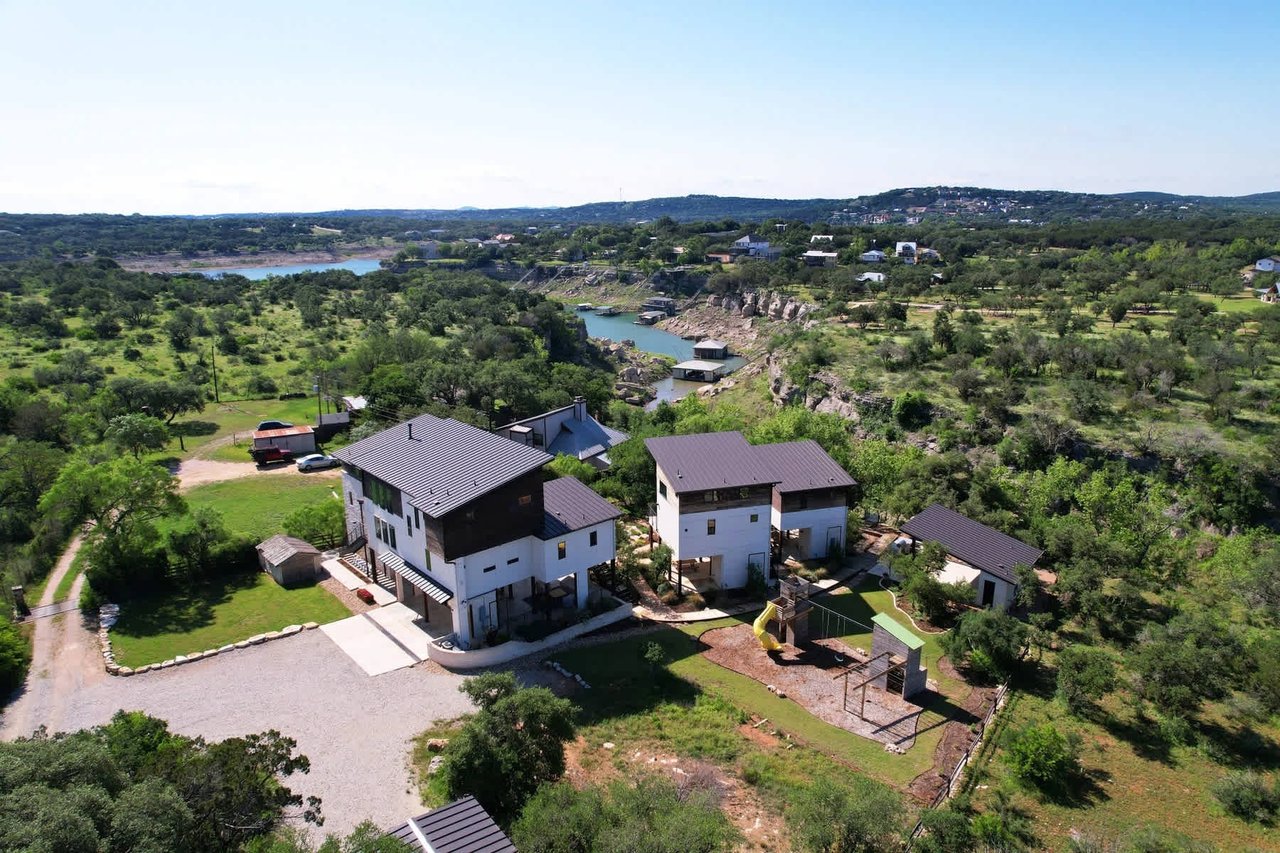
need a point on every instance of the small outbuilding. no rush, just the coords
(295, 439)
(698, 370)
(289, 560)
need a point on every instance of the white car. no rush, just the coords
(316, 461)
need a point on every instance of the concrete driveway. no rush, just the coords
(381, 640)
(355, 729)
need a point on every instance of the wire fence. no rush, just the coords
(953, 779)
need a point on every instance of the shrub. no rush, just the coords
(1246, 795)
(15, 656)
(757, 586)
(988, 642)
(911, 409)
(828, 816)
(1085, 675)
(1043, 757)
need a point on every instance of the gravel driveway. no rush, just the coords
(354, 728)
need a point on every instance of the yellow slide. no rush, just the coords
(767, 642)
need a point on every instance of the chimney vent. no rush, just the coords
(410, 425)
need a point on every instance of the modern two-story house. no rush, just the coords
(570, 430)
(461, 525)
(721, 502)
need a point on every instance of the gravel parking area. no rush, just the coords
(354, 728)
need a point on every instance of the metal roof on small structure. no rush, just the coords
(462, 826)
(283, 431)
(698, 364)
(279, 548)
(584, 439)
(975, 543)
(415, 576)
(441, 463)
(802, 465)
(713, 460)
(710, 343)
(899, 632)
(569, 504)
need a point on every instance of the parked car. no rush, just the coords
(316, 461)
(274, 425)
(270, 455)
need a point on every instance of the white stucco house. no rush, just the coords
(977, 555)
(874, 256)
(905, 251)
(721, 502)
(754, 246)
(460, 525)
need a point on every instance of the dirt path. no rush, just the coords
(64, 660)
(200, 472)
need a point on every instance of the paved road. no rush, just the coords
(355, 729)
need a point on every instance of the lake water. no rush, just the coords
(650, 339)
(359, 266)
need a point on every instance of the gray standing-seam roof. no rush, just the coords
(279, 548)
(710, 343)
(584, 439)
(801, 466)
(462, 826)
(713, 460)
(441, 463)
(978, 545)
(569, 504)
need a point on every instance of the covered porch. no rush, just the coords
(422, 594)
(531, 609)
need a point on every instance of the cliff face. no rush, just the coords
(770, 306)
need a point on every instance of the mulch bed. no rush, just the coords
(808, 678)
(957, 737)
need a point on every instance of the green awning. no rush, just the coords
(899, 633)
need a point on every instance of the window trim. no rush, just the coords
(562, 549)
(711, 527)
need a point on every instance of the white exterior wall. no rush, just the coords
(818, 521)
(1265, 265)
(736, 539)
(668, 514)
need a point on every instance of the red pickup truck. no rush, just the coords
(270, 455)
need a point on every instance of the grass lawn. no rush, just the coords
(213, 614)
(63, 589)
(256, 505)
(1134, 778)
(219, 420)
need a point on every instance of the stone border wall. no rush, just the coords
(109, 613)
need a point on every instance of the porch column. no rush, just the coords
(580, 584)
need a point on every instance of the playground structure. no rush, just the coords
(788, 615)
(894, 665)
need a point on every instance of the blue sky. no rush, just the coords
(184, 107)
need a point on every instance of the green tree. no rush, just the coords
(509, 748)
(988, 642)
(1085, 675)
(565, 465)
(864, 817)
(1043, 757)
(15, 656)
(323, 524)
(136, 433)
(1180, 664)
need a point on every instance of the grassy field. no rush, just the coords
(1132, 777)
(256, 505)
(224, 420)
(213, 614)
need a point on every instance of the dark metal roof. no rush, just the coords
(570, 505)
(978, 545)
(415, 576)
(713, 460)
(802, 465)
(462, 826)
(584, 439)
(441, 463)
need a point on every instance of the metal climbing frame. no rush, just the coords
(835, 624)
(861, 668)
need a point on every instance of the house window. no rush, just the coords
(593, 538)
(470, 515)
(537, 439)
(711, 527)
(408, 525)
(755, 516)
(804, 501)
(426, 564)
(744, 492)
(513, 561)
(561, 550)
(488, 568)
(709, 497)
(662, 488)
(525, 500)
(382, 494)
(350, 499)
(417, 518)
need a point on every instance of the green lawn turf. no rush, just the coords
(221, 420)
(213, 614)
(256, 505)
(1132, 777)
(63, 590)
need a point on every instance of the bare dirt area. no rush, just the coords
(958, 735)
(706, 322)
(808, 678)
(199, 472)
(762, 826)
(175, 262)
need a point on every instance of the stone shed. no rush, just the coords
(290, 561)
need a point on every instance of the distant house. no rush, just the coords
(570, 430)
(928, 255)
(815, 258)
(711, 349)
(877, 277)
(977, 554)
(699, 370)
(504, 238)
(289, 560)
(462, 826)
(1271, 294)
(754, 246)
(875, 256)
(1270, 264)
(719, 258)
(355, 404)
(821, 238)
(906, 251)
(665, 304)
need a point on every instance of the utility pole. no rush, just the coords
(319, 398)
(213, 357)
